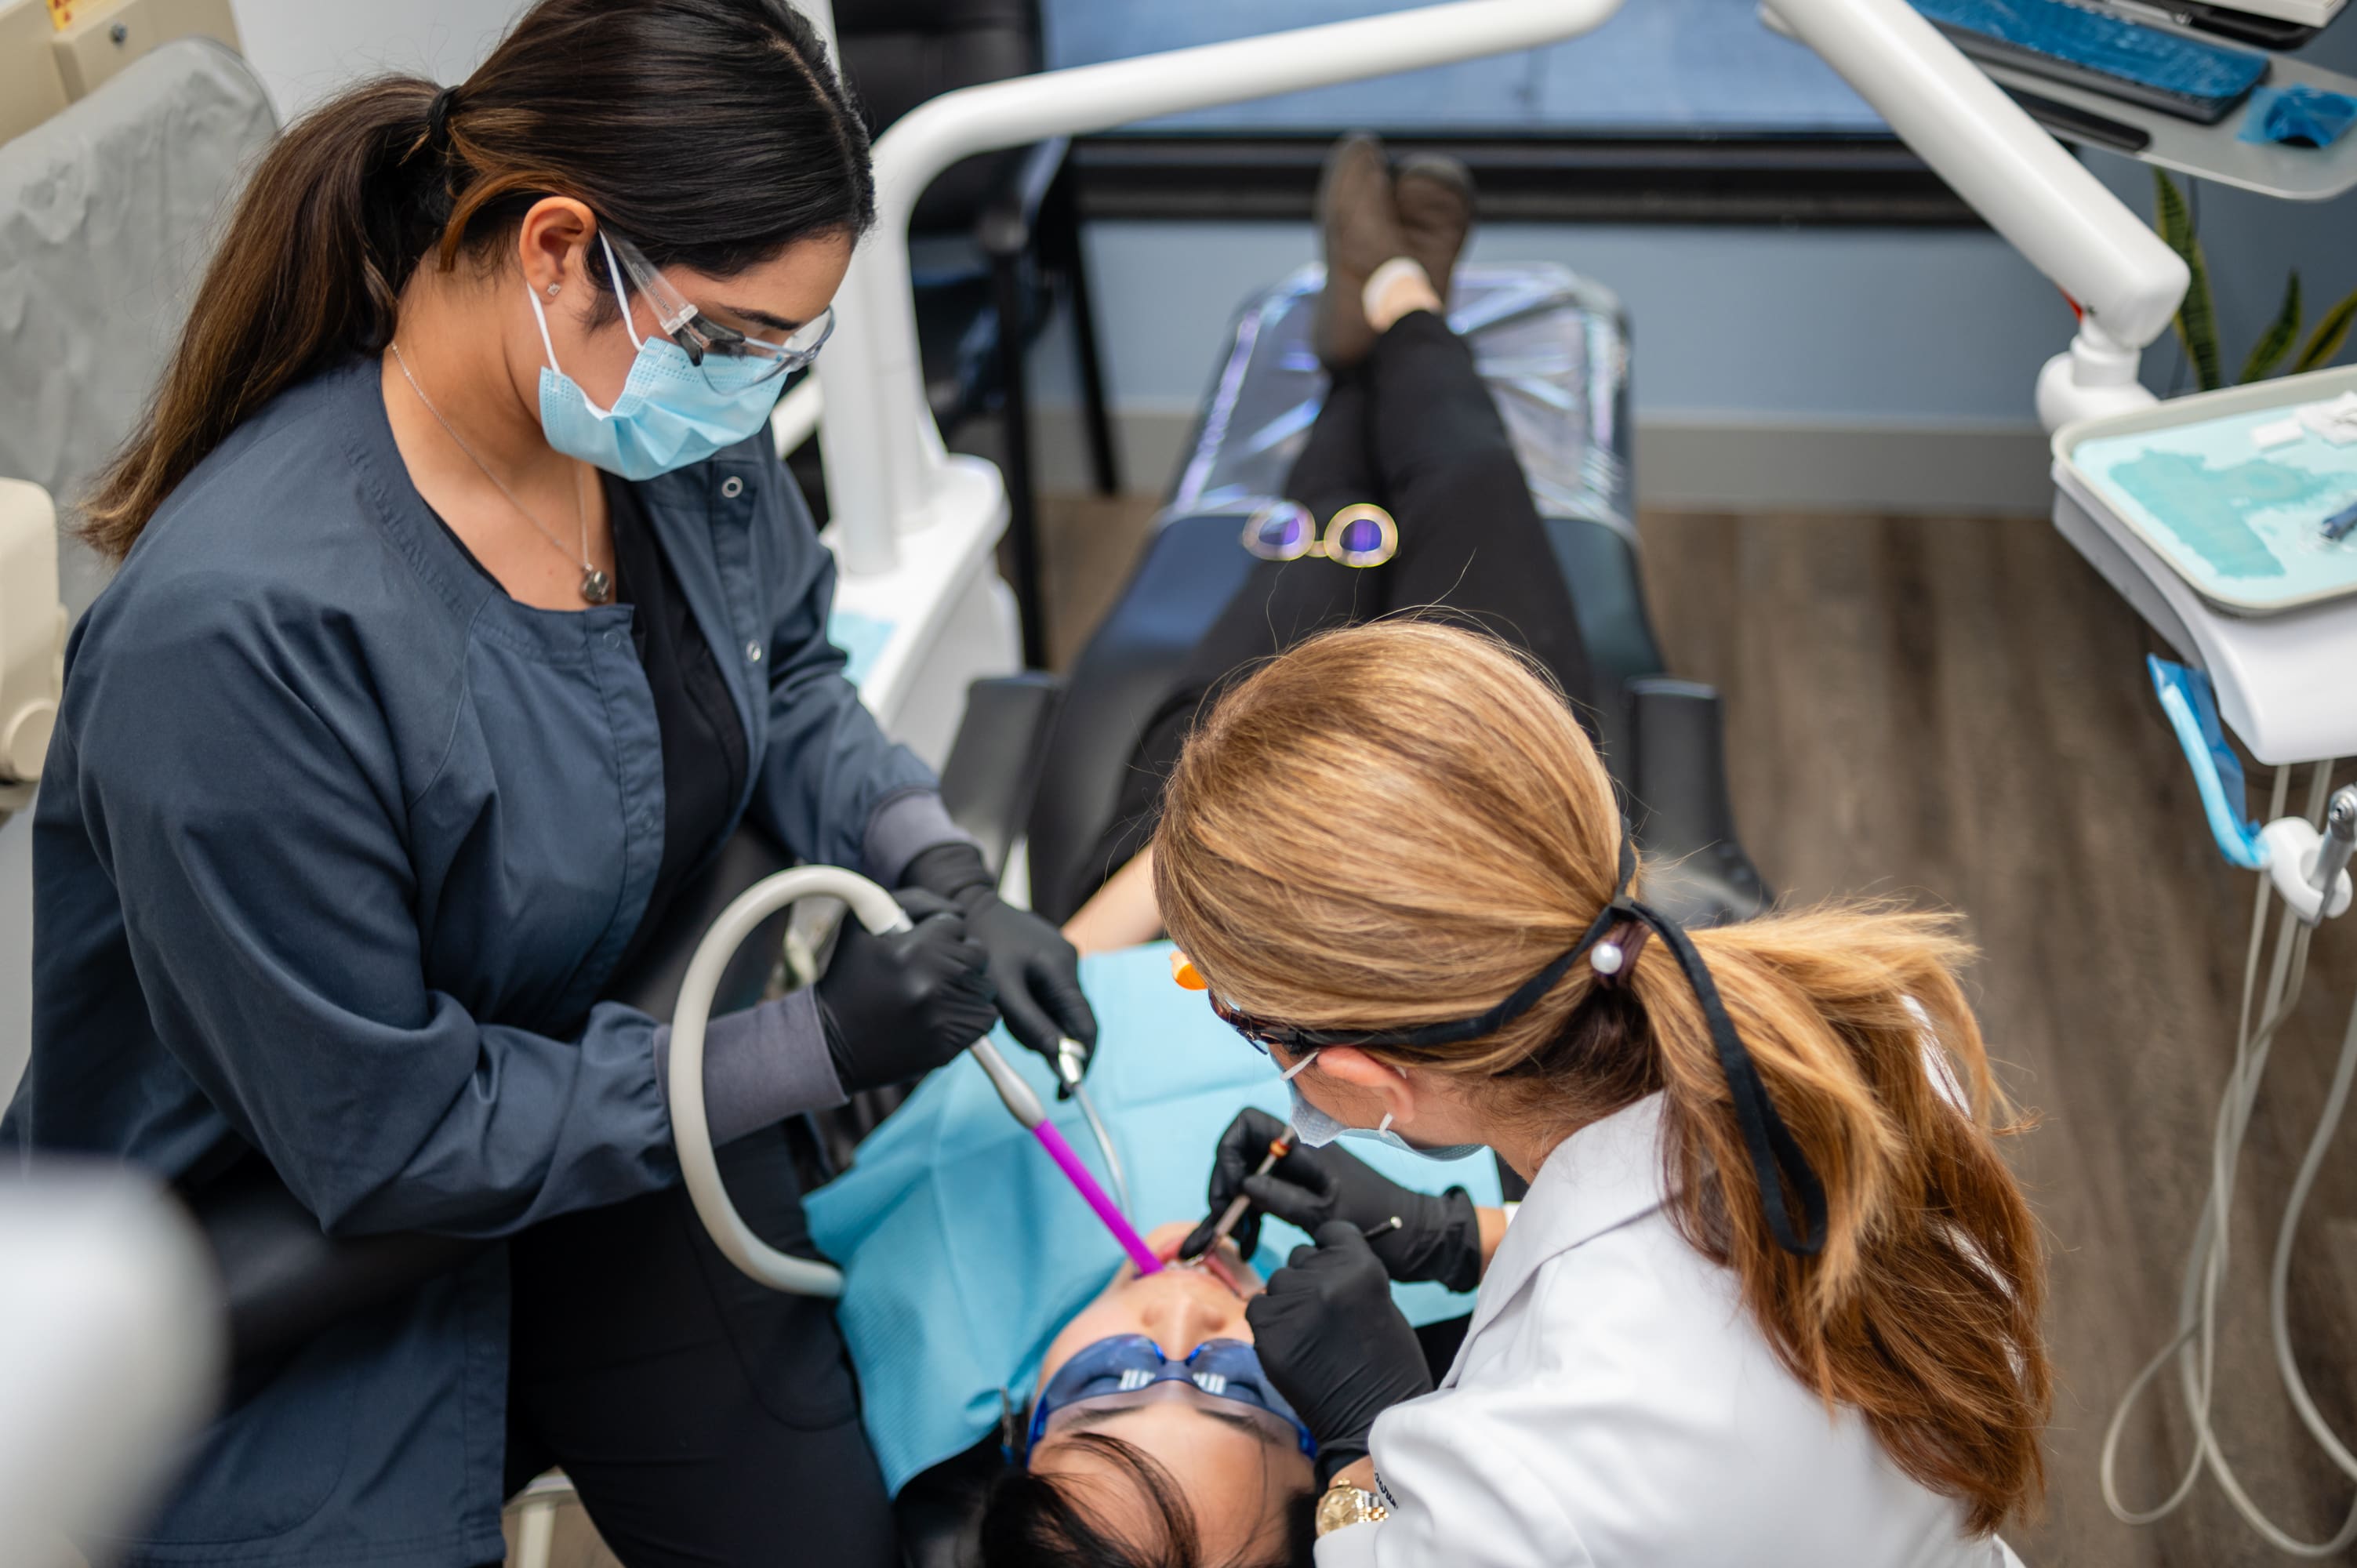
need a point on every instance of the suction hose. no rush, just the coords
(872, 907)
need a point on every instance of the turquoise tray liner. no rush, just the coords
(2243, 525)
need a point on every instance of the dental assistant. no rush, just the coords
(1773, 1297)
(465, 610)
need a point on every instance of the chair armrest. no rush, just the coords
(1005, 227)
(1681, 813)
(994, 764)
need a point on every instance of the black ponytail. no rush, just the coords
(714, 132)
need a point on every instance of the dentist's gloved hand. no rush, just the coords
(1036, 973)
(895, 1007)
(1336, 1347)
(1437, 1237)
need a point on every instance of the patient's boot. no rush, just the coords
(1362, 232)
(1434, 195)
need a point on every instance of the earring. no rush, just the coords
(552, 290)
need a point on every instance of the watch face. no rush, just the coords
(1342, 1506)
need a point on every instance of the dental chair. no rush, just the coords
(1554, 349)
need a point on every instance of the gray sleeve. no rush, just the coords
(761, 1066)
(902, 828)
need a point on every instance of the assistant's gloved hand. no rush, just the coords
(1034, 971)
(1437, 1237)
(1330, 1338)
(896, 1007)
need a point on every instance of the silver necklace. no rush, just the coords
(596, 588)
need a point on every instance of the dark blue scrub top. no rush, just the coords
(336, 845)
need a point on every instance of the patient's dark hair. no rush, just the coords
(1034, 1521)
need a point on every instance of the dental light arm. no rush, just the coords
(886, 466)
(2043, 202)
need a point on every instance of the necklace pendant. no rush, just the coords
(596, 586)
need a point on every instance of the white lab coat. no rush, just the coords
(1614, 1406)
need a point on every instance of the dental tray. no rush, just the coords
(2190, 77)
(2231, 488)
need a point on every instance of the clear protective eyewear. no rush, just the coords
(729, 359)
(1361, 535)
(1129, 1369)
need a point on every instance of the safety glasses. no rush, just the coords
(1129, 1369)
(1361, 535)
(729, 360)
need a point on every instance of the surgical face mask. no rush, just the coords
(671, 412)
(1317, 1129)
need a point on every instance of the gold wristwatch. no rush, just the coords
(1344, 1504)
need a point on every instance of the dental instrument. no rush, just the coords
(877, 910)
(1025, 1107)
(1232, 1215)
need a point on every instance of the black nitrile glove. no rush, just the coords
(897, 1006)
(1035, 972)
(1330, 1338)
(1437, 1238)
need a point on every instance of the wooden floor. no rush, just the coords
(1955, 711)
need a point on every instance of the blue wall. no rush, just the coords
(1864, 327)
(1940, 329)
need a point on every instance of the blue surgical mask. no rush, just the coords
(669, 414)
(1316, 1129)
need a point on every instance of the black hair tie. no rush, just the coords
(1773, 1149)
(437, 119)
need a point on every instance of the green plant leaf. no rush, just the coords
(2277, 340)
(2197, 320)
(2330, 334)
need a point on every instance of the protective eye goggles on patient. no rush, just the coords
(1361, 535)
(729, 360)
(1128, 1371)
(1778, 1162)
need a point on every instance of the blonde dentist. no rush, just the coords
(1773, 1297)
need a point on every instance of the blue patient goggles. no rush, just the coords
(1128, 1370)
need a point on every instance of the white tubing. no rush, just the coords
(2194, 1347)
(691, 1132)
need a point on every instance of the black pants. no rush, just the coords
(1414, 431)
(704, 1418)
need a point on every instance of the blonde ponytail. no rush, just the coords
(1399, 823)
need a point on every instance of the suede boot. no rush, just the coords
(1362, 231)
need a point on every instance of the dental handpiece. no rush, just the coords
(1025, 1107)
(1233, 1214)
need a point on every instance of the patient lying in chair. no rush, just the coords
(981, 1294)
(1408, 497)
(979, 1288)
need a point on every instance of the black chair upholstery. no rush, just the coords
(994, 241)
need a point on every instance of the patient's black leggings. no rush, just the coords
(704, 1419)
(1414, 431)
